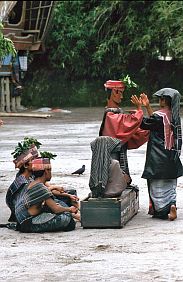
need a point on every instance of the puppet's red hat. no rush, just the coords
(110, 84)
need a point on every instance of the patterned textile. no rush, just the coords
(19, 181)
(53, 222)
(28, 197)
(36, 194)
(47, 221)
(26, 157)
(16, 186)
(101, 158)
(175, 118)
(123, 161)
(40, 164)
(168, 132)
(43, 218)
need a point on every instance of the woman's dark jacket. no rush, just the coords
(160, 162)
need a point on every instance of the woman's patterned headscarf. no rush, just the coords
(175, 114)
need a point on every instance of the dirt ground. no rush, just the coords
(144, 250)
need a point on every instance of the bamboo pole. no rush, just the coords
(3, 114)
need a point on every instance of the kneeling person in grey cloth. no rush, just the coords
(36, 210)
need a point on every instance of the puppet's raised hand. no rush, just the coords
(144, 100)
(136, 101)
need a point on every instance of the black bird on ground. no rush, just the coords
(80, 170)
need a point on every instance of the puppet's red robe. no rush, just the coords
(126, 128)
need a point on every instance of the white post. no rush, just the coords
(2, 95)
(18, 103)
(13, 104)
(7, 95)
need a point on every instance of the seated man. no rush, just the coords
(23, 154)
(36, 209)
(22, 161)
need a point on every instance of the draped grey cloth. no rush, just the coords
(101, 159)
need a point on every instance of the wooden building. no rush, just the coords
(26, 23)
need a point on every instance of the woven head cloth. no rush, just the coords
(114, 84)
(26, 156)
(41, 164)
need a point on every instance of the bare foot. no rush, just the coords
(151, 211)
(173, 213)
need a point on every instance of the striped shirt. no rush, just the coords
(29, 197)
(14, 188)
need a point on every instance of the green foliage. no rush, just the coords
(80, 97)
(166, 27)
(48, 155)
(128, 82)
(6, 45)
(71, 35)
(50, 89)
(131, 88)
(99, 38)
(25, 145)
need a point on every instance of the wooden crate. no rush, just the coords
(110, 212)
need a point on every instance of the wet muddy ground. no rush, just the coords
(145, 249)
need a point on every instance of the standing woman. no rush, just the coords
(163, 165)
